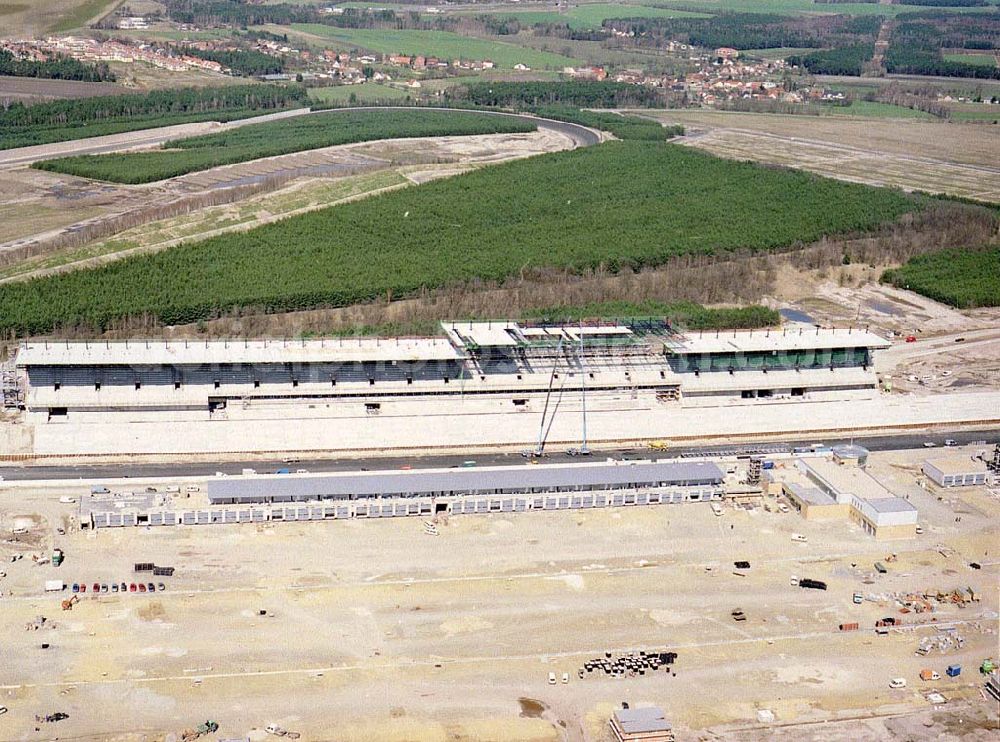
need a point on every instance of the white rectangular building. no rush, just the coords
(956, 471)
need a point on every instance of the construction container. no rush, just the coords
(954, 671)
(814, 584)
(849, 627)
(54, 586)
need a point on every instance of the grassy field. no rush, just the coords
(984, 60)
(878, 110)
(620, 204)
(777, 53)
(989, 114)
(801, 7)
(81, 13)
(444, 44)
(369, 92)
(586, 16)
(961, 278)
(281, 137)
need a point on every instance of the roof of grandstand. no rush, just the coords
(742, 341)
(175, 352)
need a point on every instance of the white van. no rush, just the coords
(192, 488)
(172, 489)
(799, 538)
(716, 508)
(897, 683)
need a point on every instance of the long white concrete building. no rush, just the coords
(482, 384)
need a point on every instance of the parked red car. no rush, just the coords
(142, 588)
(97, 587)
(131, 588)
(911, 338)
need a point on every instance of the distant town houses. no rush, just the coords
(132, 23)
(587, 73)
(94, 50)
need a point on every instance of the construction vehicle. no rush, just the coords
(207, 727)
(988, 666)
(814, 584)
(67, 605)
(929, 675)
(57, 557)
(738, 615)
(659, 445)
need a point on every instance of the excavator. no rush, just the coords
(206, 728)
(67, 605)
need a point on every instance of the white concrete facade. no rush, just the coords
(956, 472)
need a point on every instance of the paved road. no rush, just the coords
(193, 469)
(581, 135)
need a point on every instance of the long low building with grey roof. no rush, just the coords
(256, 498)
(698, 477)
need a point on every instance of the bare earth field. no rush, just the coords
(954, 349)
(377, 631)
(26, 89)
(935, 157)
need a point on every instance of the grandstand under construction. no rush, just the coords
(479, 385)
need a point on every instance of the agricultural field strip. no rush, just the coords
(138, 138)
(945, 276)
(306, 163)
(104, 256)
(852, 164)
(445, 44)
(445, 233)
(847, 148)
(437, 122)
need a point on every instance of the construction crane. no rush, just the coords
(542, 432)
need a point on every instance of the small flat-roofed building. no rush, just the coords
(872, 505)
(851, 455)
(956, 471)
(641, 725)
(812, 502)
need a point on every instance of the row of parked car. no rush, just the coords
(119, 587)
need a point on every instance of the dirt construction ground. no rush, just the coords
(956, 159)
(375, 630)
